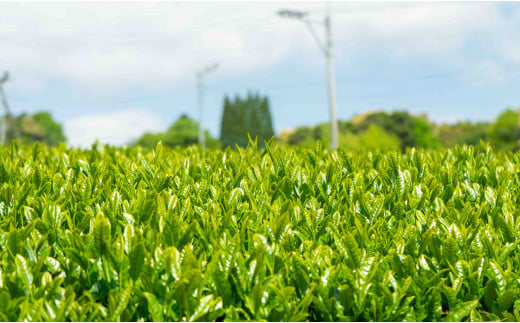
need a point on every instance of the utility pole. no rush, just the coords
(7, 113)
(200, 87)
(518, 131)
(327, 51)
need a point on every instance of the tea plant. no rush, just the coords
(280, 234)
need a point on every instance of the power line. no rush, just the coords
(270, 88)
(411, 93)
(377, 79)
(281, 87)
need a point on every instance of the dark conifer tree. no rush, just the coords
(226, 135)
(242, 117)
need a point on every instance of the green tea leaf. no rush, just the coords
(101, 234)
(136, 257)
(154, 307)
(22, 271)
(124, 298)
(461, 311)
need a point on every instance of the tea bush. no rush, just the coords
(278, 234)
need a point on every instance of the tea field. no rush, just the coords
(287, 234)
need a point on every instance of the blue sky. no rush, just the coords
(111, 71)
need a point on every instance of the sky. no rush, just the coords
(112, 71)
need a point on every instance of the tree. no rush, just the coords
(503, 133)
(301, 136)
(241, 118)
(463, 133)
(475, 133)
(399, 123)
(412, 131)
(183, 132)
(149, 140)
(38, 127)
(53, 131)
(265, 123)
(306, 136)
(373, 139)
(424, 134)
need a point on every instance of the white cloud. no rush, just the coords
(406, 29)
(484, 72)
(104, 50)
(106, 47)
(161, 44)
(511, 48)
(137, 43)
(115, 128)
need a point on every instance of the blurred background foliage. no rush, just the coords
(381, 130)
(374, 130)
(246, 116)
(37, 127)
(183, 132)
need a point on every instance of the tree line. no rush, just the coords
(379, 130)
(242, 118)
(250, 117)
(39, 126)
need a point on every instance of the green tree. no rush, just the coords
(322, 132)
(241, 118)
(38, 127)
(53, 131)
(301, 136)
(475, 133)
(463, 133)
(226, 132)
(183, 132)
(265, 122)
(307, 136)
(412, 131)
(503, 133)
(399, 123)
(373, 139)
(424, 134)
(149, 140)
